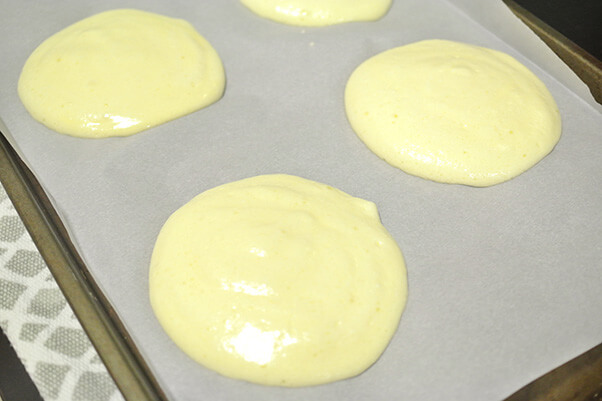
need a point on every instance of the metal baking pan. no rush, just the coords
(579, 379)
(585, 65)
(98, 319)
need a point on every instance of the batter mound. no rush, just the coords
(278, 280)
(318, 12)
(452, 112)
(120, 72)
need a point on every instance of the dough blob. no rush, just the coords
(452, 112)
(119, 72)
(318, 12)
(278, 280)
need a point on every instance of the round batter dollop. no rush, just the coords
(278, 280)
(119, 72)
(452, 112)
(318, 12)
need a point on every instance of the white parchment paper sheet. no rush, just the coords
(504, 281)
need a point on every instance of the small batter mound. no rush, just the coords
(318, 12)
(118, 73)
(278, 280)
(452, 112)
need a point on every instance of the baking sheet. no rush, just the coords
(504, 281)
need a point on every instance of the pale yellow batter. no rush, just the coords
(120, 72)
(278, 280)
(452, 112)
(319, 12)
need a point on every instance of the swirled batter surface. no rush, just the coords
(278, 280)
(452, 112)
(119, 72)
(318, 12)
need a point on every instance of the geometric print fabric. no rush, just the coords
(40, 324)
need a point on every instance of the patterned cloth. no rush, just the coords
(40, 324)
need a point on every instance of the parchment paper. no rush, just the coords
(504, 281)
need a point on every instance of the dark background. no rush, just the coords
(578, 20)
